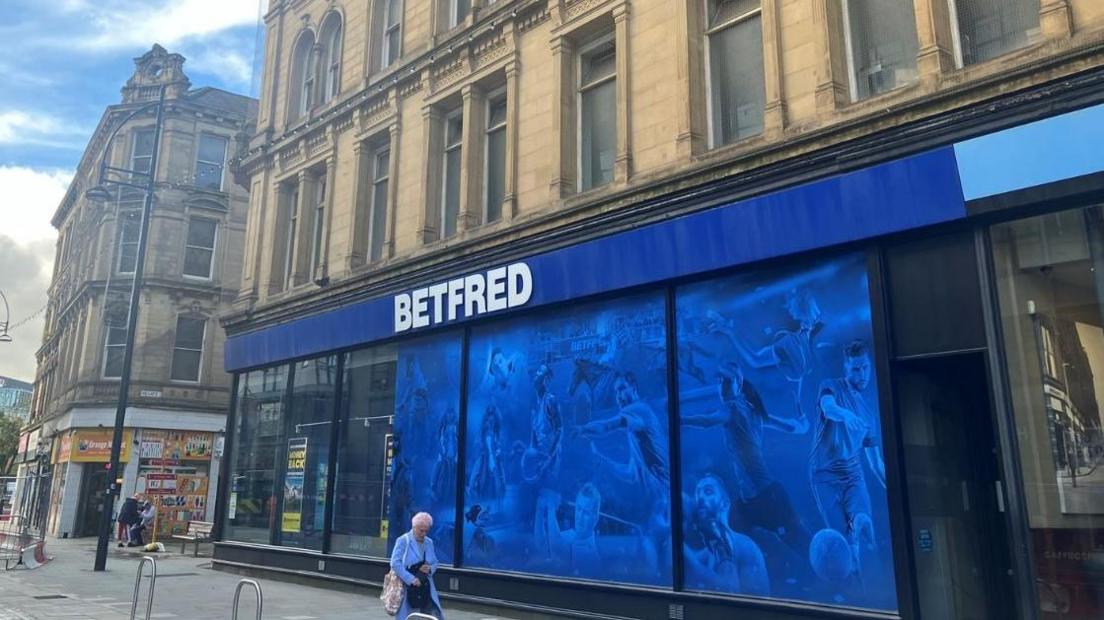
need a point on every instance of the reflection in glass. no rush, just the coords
(306, 452)
(397, 445)
(1049, 271)
(258, 438)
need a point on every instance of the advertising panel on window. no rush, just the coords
(783, 478)
(422, 453)
(567, 469)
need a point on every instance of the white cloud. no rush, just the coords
(33, 128)
(229, 65)
(28, 201)
(26, 255)
(119, 24)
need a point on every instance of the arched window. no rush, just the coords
(331, 56)
(303, 77)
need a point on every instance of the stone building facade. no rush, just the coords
(179, 390)
(588, 166)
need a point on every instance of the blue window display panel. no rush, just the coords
(422, 465)
(783, 479)
(567, 444)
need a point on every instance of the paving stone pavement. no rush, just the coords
(186, 588)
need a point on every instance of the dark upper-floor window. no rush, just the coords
(881, 45)
(188, 348)
(392, 31)
(989, 28)
(199, 247)
(331, 38)
(210, 161)
(141, 151)
(597, 92)
(737, 91)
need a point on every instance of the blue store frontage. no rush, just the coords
(877, 393)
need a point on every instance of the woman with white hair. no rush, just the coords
(415, 561)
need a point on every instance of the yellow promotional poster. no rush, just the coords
(293, 484)
(93, 446)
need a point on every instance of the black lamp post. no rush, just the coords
(123, 177)
(4, 336)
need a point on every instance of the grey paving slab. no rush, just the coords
(193, 591)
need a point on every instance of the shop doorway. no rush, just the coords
(959, 536)
(93, 491)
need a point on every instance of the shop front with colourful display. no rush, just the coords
(873, 394)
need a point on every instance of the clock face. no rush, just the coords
(155, 70)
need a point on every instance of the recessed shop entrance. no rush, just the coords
(955, 491)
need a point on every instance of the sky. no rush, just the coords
(61, 64)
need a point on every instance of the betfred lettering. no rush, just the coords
(497, 289)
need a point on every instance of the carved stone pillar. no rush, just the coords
(471, 160)
(622, 163)
(831, 90)
(430, 195)
(509, 197)
(563, 120)
(935, 39)
(1056, 19)
(774, 120)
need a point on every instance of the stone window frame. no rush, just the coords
(378, 128)
(331, 64)
(581, 23)
(694, 124)
(490, 98)
(936, 39)
(294, 256)
(221, 164)
(848, 52)
(304, 57)
(107, 344)
(311, 51)
(471, 92)
(708, 33)
(189, 316)
(213, 249)
(133, 214)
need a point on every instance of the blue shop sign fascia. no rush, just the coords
(920, 190)
(908, 193)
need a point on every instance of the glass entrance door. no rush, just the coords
(959, 539)
(93, 489)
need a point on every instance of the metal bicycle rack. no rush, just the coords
(237, 596)
(138, 584)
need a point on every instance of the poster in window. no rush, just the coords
(421, 453)
(783, 478)
(567, 469)
(293, 485)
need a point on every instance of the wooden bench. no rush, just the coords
(197, 532)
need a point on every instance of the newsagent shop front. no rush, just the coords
(876, 394)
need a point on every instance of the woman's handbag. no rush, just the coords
(417, 597)
(393, 592)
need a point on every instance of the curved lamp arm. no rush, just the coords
(103, 168)
(4, 336)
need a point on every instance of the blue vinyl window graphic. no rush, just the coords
(567, 444)
(783, 479)
(424, 449)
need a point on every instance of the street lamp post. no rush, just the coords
(4, 336)
(100, 192)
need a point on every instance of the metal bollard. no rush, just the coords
(138, 584)
(237, 595)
